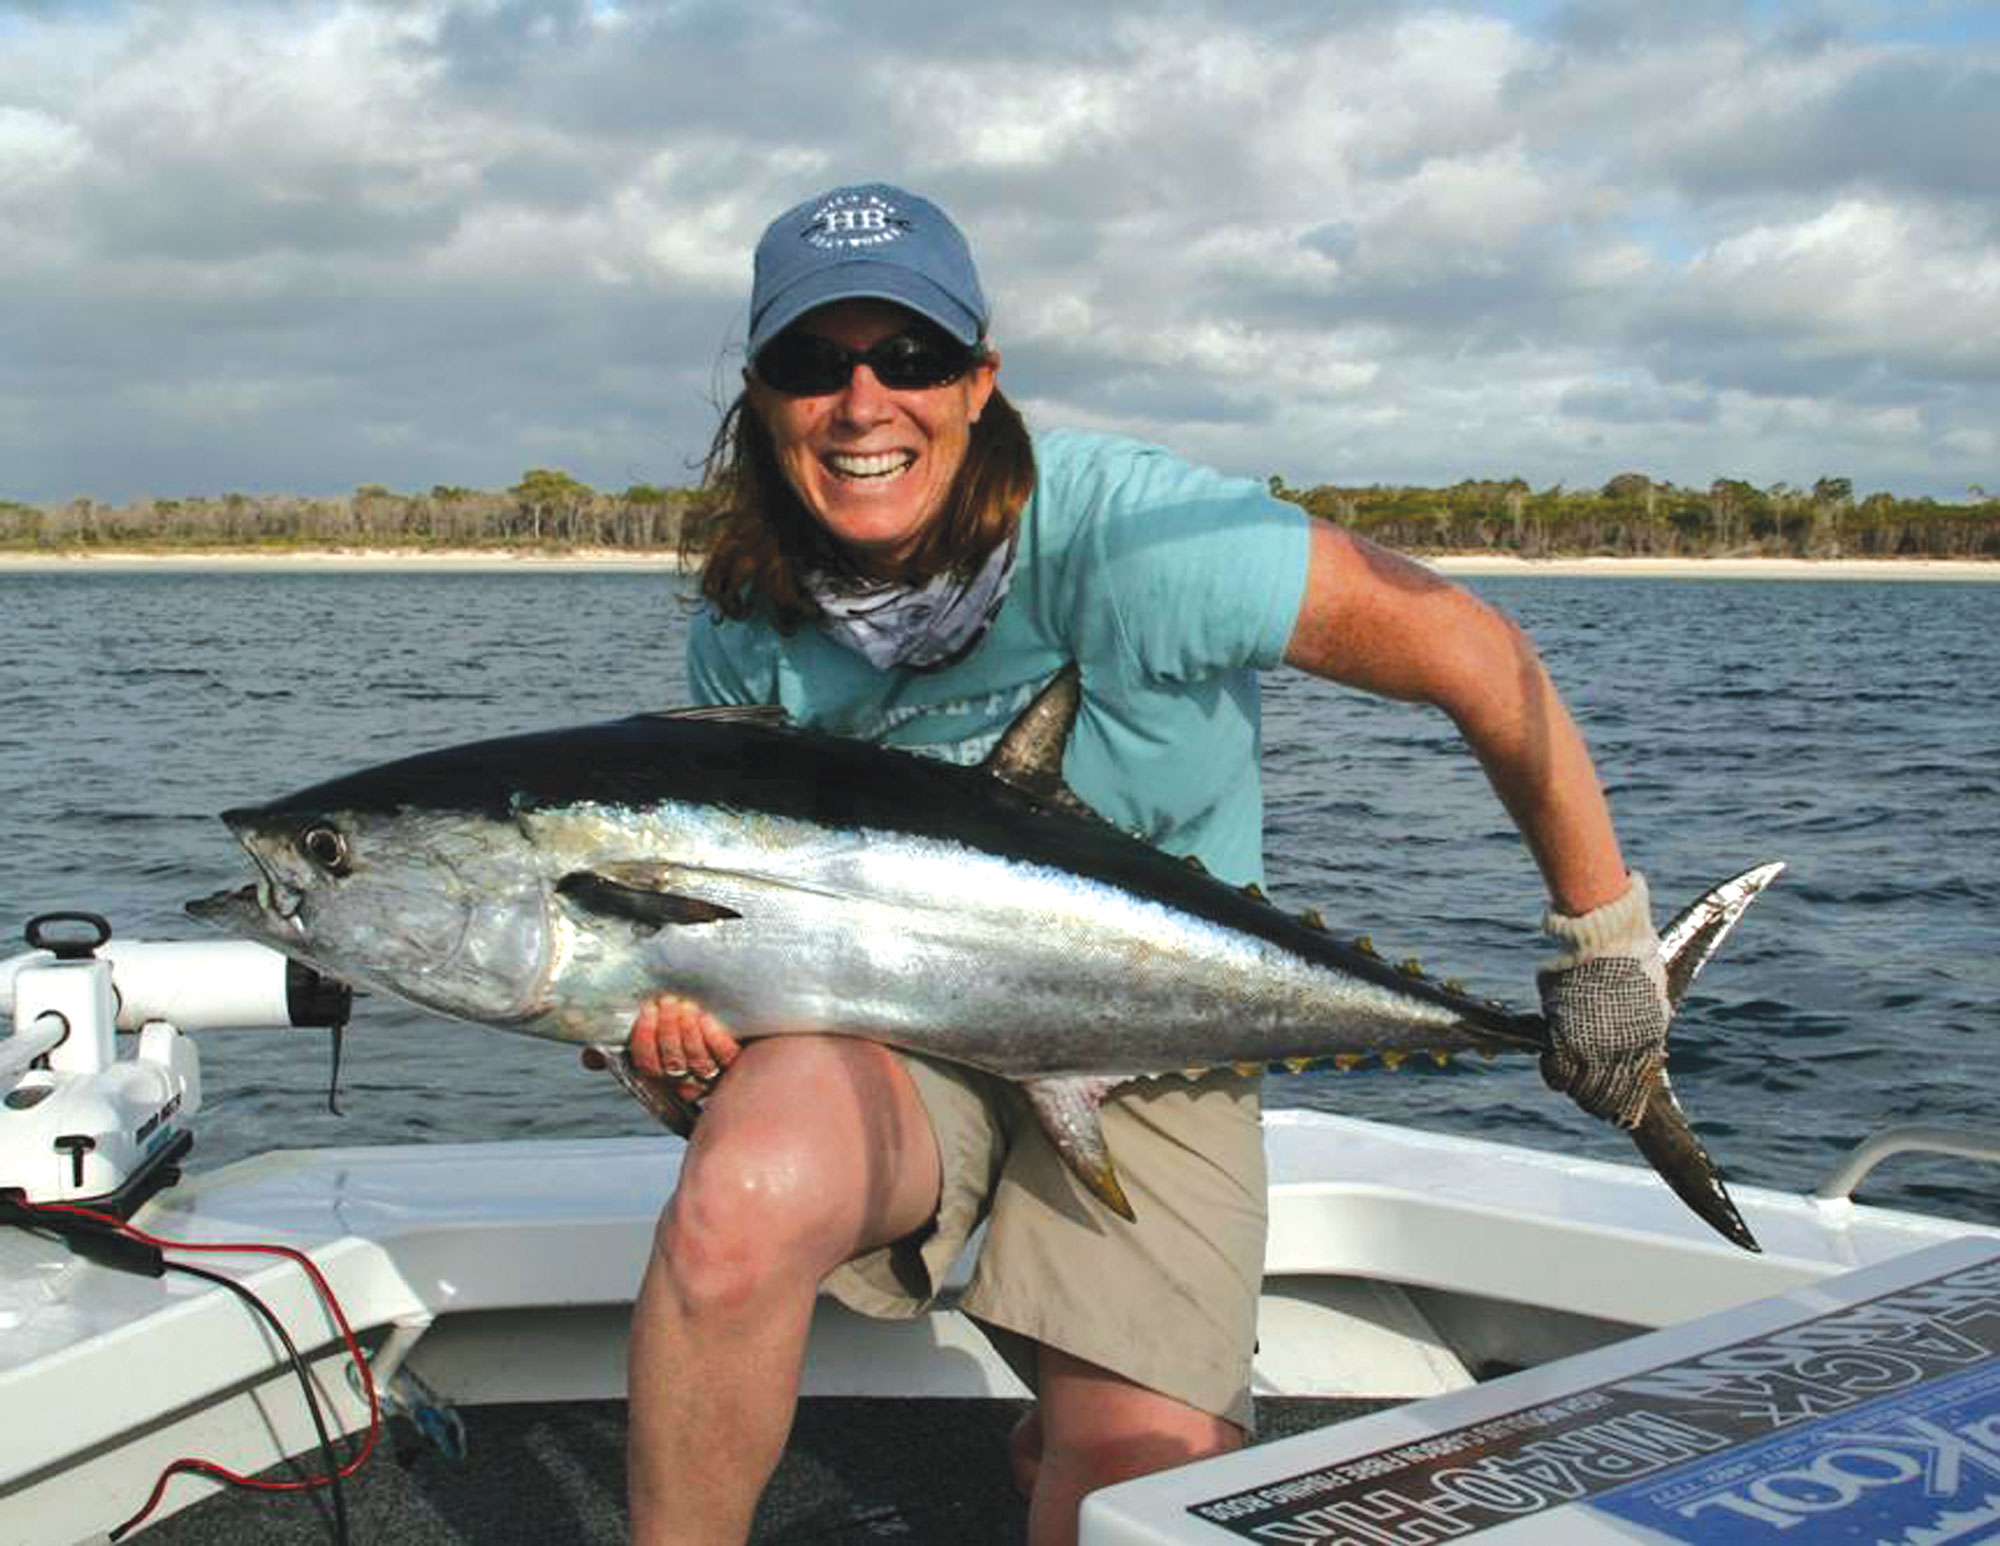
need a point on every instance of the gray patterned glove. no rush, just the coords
(1605, 996)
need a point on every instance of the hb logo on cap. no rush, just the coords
(855, 220)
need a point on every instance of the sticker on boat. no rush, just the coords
(1874, 1420)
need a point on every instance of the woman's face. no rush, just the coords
(872, 465)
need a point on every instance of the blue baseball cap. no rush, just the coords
(869, 241)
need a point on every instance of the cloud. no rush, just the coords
(1842, 117)
(271, 246)
(1859, 284)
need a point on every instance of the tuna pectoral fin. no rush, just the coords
(1068, 1112)
(677, 1115)
(1667, 1140)
(632, 898)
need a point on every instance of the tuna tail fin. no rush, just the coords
(1664, 1134)
(1691, 939)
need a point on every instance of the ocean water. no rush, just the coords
(1851, 729)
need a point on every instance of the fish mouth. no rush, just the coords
(268, 899)
(263, 906)
(277, 898)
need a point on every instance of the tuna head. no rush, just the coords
(438, 907)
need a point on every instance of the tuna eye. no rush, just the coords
(326, 848)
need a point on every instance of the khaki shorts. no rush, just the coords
(1169, 1302)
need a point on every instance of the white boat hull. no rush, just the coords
(1400, 1264)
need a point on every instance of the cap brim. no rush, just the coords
(865, 279)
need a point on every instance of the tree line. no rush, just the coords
(550, 511)
(547, 511)
(1634, 516)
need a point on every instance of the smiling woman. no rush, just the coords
(898, 561)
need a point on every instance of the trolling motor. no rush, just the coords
(78, 1123)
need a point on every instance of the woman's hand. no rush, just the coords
(677, 1045)
(681, 1044)
(1605, 997)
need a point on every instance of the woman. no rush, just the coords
(899, 559)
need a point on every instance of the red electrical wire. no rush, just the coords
(320, 1286)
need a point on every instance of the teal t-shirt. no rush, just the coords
(1170, 585)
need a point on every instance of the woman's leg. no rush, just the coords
(811, 1150)
(1097, 1428)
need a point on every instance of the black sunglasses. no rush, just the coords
(803, 364)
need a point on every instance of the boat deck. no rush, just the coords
(858, 1471)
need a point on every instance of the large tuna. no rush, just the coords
(801, 883)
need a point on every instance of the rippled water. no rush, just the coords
(1849, 728)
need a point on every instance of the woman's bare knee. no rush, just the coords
(747, 1218)
(810, 1152)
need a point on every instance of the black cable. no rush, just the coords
(100, 1242)
(299, 1368)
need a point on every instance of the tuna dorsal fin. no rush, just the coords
(1030, 754)
(632, 894)
(1067, 1110)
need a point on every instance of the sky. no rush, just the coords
(266, 247)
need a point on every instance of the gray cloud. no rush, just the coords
(271, 246)
(1641, 404)
(1898, 122)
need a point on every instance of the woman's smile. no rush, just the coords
(873, 468)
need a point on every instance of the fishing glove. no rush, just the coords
(1605, 996)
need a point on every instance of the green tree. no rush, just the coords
(549, 497)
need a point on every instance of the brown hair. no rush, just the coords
(760, 538)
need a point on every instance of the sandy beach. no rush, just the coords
(500, 560)
(1723, 568)
(442, 560)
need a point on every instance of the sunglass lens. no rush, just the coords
(913, 360)
(804, 364)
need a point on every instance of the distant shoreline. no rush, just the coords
(502, 560)
(1720, 568)
(253, 560)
